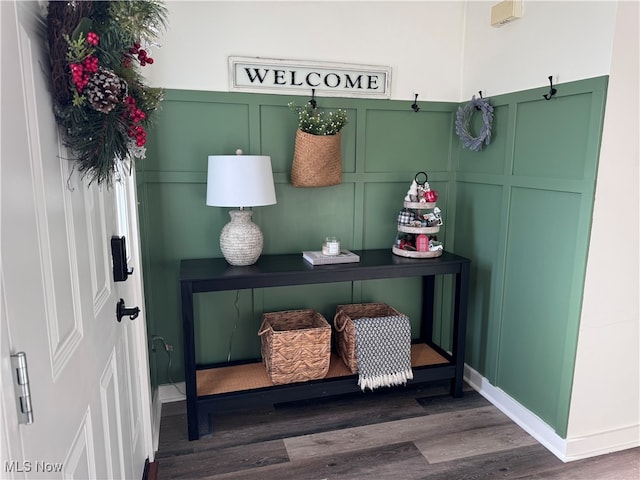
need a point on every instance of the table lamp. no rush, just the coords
(240, 181)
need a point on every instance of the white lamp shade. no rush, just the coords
(240, 181)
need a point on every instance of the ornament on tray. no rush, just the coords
(412, 193)
(435, 245)
(422, 243)
(420, 190)
(406, 217)
(405, 242)
(437, 213)
(431, 196)
(429, 220)
(422, 193)
(432, 219)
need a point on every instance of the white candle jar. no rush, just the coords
(331, 246)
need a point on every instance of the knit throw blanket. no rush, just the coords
(383, 351)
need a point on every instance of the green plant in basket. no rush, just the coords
(316, 122)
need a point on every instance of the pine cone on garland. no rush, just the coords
(105, 90)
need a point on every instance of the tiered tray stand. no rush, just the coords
(418, 207)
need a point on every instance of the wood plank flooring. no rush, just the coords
(400, 434)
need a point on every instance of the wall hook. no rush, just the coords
(552, 91)
(313, 98)
(479, 93)
(414, 105)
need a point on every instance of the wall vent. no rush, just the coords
(505, 12)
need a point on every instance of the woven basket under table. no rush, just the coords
(296, 345)
(345, 331)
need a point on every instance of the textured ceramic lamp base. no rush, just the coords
(241, 240)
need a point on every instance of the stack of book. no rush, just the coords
(319, 258)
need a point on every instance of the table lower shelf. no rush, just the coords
(251, 376)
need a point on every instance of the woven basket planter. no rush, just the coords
(296, 345)
(317, 160)
(345, 331)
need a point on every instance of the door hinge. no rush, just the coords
(21, 387)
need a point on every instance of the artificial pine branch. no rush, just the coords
(101, 104)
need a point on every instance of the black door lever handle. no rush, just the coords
(122, 311)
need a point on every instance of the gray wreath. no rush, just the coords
(463, 122)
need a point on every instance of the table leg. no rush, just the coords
(188, 338)
(428, 299)
(460, 328)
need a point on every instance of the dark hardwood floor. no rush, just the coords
(400, 434)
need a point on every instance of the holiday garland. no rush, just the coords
(101, 103)
(463, 122)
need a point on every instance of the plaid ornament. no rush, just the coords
(405, 217)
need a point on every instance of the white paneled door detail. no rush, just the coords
(88, 374)
(80, 461)
(111, 406)
(54, 226)
(99, 262)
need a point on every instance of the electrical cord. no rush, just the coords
(169, 349)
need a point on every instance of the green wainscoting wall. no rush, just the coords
(384, 145)
(523, 215)
(520, 209)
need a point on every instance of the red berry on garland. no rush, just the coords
(90, 64)
(79, 76)
(93, 39)
(141, 136)
(149, 60)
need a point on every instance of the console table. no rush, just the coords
(429, 361)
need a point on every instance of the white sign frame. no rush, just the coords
(268, 75)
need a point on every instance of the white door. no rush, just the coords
(88, 374)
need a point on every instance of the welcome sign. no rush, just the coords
(263, 75)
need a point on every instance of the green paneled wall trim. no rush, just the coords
(523, 215)
(384, 145)
(520, 209)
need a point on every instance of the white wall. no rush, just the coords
(605, 400)
(569, 40)
(421, 41)
(430, 49)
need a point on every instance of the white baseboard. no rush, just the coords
(525, 419)
(164, 394)
(171, 392)
(156, 413)
(566, 450)
(603, 442)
